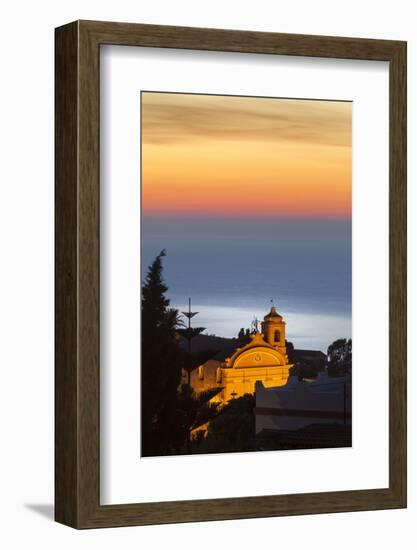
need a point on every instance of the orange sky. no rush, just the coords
(237, 156)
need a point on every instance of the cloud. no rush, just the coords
(173, 118)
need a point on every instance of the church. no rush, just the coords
(235, 371)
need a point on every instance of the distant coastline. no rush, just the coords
(305, 330)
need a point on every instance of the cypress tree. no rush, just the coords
(161, 367)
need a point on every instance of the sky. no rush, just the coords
(251, 198)
(243, 156)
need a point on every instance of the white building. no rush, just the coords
(326, 400)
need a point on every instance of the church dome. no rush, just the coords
(273, 315)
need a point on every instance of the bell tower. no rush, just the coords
(273, 329)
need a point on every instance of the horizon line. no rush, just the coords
(234, 215)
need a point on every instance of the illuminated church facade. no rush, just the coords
(263, 359)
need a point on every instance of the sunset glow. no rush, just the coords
(236, 156)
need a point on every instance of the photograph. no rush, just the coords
(246, 273)
(227, 276)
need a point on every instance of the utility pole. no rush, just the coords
(189, 334)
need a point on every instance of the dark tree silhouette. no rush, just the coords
(162, 431)
(231, 430)
(196, 408)
(339, 355)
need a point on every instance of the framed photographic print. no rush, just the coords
(230, 274)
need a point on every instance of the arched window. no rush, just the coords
(276, 336)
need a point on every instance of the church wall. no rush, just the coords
(237, 382)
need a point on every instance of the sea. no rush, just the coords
(234, 269)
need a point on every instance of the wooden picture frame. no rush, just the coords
(77, 404)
